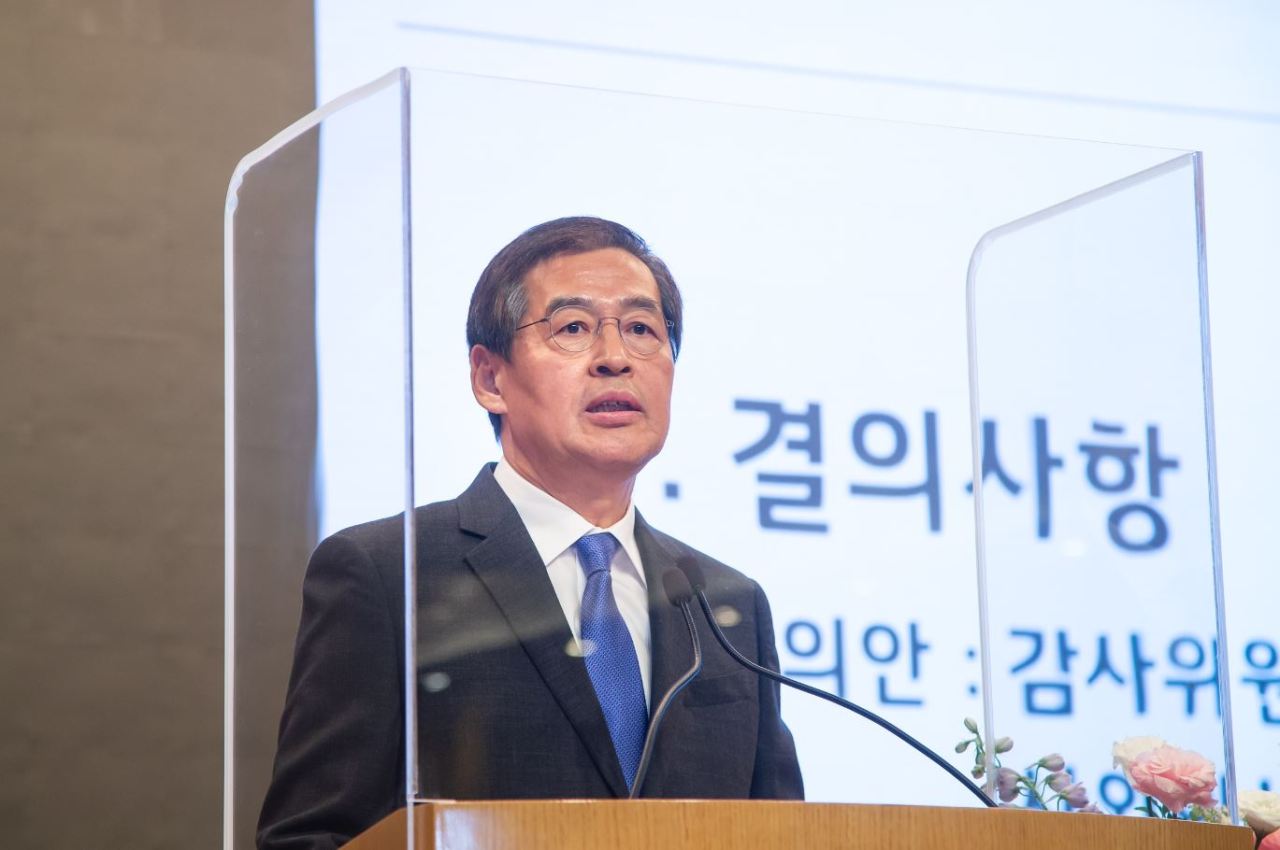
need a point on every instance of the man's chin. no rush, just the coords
(618, 460)
(615, 466)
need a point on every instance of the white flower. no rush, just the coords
(1261, 810)
(1124, 752)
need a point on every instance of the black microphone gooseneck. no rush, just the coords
(679, 593)
(689, 566)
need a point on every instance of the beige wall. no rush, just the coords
(120, 123)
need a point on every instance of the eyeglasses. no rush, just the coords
(575, 329)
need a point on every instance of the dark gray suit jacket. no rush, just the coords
(504, 711)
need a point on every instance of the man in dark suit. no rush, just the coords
(544, 638)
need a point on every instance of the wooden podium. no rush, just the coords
(717, 825)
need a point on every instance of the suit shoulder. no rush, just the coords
(378, 537)
(718, 574)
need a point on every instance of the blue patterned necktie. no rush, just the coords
(610, 654)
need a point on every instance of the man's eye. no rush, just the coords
(639, 329)
(574, 328)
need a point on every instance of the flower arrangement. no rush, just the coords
(1044, 783)
(1177, 783)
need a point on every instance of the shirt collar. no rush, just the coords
(554, 526)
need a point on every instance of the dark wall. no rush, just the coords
(121, 123)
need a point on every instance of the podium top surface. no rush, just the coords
(709, 825)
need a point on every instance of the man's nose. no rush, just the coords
(611, 356)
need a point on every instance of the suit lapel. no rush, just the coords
(671, 654)
(507, 563)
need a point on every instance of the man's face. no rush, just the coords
(602, 411)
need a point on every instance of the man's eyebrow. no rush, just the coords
(634, 302)
(640, 302)
(568, 301)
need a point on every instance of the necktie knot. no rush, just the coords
(595, 551)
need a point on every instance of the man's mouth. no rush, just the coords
(614, 402)
(611, 406)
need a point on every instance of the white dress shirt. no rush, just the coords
(555, 527)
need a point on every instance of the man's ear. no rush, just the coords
(485, 369)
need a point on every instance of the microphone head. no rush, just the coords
(677, 587)
(689, 566)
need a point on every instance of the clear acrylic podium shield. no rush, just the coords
(1092, 421)
(820, 437)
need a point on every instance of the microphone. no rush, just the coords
(679, 593)
(689, 566)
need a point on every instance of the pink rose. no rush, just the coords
(1271, 842)
(1124, 752)
(1175, 777)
